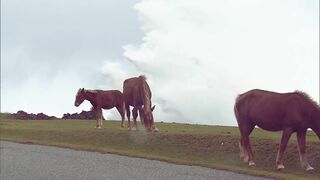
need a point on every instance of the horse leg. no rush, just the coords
(301, 137)
(128, 116)
(121, 110)
(245, 144)
(242, 152)
(250, 153)
(282, 147)
(141, 116)
(99, 117)
(135, 115)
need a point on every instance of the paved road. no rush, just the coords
(24, 161)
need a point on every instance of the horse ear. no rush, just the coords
(153, 107)
(82, 90)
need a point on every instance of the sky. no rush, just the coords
(197, 55)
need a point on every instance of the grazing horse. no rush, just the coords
(136, 93)
(271, 111)
(102, 100)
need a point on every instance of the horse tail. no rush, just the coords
(93, 108)
(235, 108)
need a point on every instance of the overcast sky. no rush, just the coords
(198, 55)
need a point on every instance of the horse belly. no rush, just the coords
(108, 107)
(268, 119)
(269, 124)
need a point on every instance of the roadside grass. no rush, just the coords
(202, 145)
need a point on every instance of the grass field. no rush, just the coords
(209, 146)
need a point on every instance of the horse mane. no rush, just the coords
(144, 77)
(90, 91)
(307, 96)
(145, 91)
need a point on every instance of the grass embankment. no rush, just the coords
(209, 146)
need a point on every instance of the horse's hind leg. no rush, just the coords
(245, 146)
(301, 137)
(242, 151)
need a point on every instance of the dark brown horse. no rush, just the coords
(137, 93)
(271, 111)
(102, 100)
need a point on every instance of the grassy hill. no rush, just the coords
(209, 146)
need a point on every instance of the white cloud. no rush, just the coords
(198, 55)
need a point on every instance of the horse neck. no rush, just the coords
(318, 124)
(89, 95)
(146, 96)
(316, 120)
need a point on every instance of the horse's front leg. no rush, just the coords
(98, 117)
(301, 137)
(282, 147)
(135, 115)
(141, 115)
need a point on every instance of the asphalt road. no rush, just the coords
(25, 161)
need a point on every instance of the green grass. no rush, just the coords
(208, 146)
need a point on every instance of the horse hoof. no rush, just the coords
(309, 169)
(280, 167)
(251, 163)
(155, 130)
(134, 129)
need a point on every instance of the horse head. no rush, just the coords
(147, 115)
(79, 97)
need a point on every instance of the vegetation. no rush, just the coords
(209, 146)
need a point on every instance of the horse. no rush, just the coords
(137, 93)
(99, 100)
(272, 111)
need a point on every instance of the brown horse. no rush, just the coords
(102, 100)
(137, 93)
(271, 111)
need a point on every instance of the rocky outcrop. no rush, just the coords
(26, 116)
(22, 115)
(89, 115)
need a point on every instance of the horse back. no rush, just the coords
(135, 90)
(109, 99)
